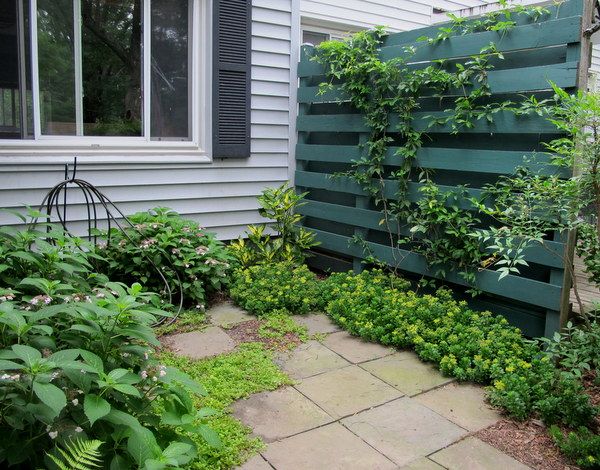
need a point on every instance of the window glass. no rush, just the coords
(169, 104)
(56, 67)
(314, 38)
(16, 119)
(112, 67)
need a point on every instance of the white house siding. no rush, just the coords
(220, 195)
(399, 15)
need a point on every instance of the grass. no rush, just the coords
(229, 377)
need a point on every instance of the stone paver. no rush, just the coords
(310, 359)
(354, 349)
(227, 314)
(278, 414)
(256, 463)
(422, 464)
(404, 430)
(317, 323)
(406, 372)
(473, 454)
(330, 447)
(463, 404)
(346, 391)
(200, 344)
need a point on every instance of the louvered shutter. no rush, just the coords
(232, 25)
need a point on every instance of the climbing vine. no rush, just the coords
(440, 225)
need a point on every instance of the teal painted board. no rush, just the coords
(505, 122)
(522, 289)
(562, 10)
(536, 35)
(467, 160)
(510, 60)
(528, 79)
(345, 184)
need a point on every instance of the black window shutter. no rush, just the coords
(232, 26)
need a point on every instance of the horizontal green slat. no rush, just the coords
(550, 255)
(344, 184)
(479, 161)
(563, 10)
(500, 81)
(537, 35)
(525, 290)
(505, 122)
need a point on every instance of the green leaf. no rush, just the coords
(26, 353)
(93, 360)
(142, 446)
(175, 375)
(95, 407)
(177, 450)
(9, 365)
(210, 436)
(51, 396)
(127, 389)
(124, 419)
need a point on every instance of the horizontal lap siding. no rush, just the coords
(220, 195)
(399, 15)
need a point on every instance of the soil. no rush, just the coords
(528, 442)
(248, 332)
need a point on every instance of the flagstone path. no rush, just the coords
(355, 405)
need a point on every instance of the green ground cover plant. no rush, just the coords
(185, 252)
(279, 325)
(249, 369)
(188, 320)
(77, 363)
(267, 288)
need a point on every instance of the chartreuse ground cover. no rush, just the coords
(229, 377)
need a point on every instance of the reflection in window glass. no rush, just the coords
(314, 38)
(111, 67)
(56, 66)
(16, 120)
(169, 70)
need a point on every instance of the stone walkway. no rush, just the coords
(356, 405)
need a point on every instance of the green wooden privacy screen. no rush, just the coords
(552, 48)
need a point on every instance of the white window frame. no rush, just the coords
(120, 149)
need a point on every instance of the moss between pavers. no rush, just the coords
(229, 377)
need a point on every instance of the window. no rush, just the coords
(313, 37)
(101, 72)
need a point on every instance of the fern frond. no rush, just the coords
(78, 455)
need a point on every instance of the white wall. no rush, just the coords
(397, 15)
(221, 195)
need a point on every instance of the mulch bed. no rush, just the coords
(528, 442)
(248, 332)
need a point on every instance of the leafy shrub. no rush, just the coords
(76, 362)
(278, 205)
(179, 247)
(581, 446)
(543, 389)
(266, 288)
(576, 349)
